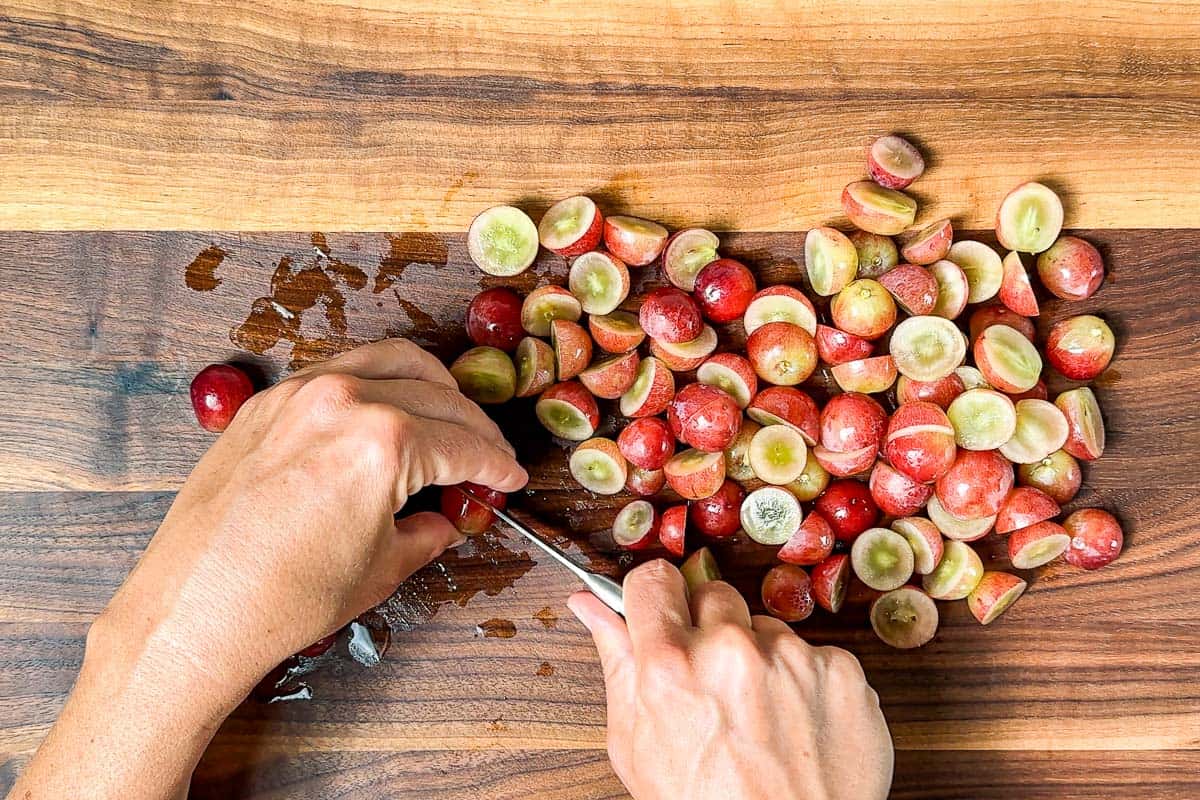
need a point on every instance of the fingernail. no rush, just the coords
(459, 543)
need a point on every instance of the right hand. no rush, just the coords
(706, 702)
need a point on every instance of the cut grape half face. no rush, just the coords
(867, 375)
(929, 244)
(618, 332)
(780, 304)
(566, 419)
(956, 575)
(770, 515)
(960, 530)
(687, 252)
(1009, 361)
(994, 594)
(904, 618)
(893, 162)
(635, 525)
(600, 281)
(983, 419)
(874, 208)
(544, 305)
(700, 568)
(1041, 429)
(1016, 293)
(571, 227)
(927, 348)
(652, 390)
(778, 454)
(701, 347)
(925, 540)
(982, 266)
(830, 259)
(882, 559)
(502, 241)
(598, 466)
(952, 288)
(734, 377)
(1030, 218)
(1038, 544)
(535, 366)
(1085, 424)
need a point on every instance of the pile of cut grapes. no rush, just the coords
(910, 460)
(930, 410)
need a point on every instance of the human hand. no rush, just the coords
(707, 702)
(284, 531)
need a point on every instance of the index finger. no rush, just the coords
(656, 605)
(387, 359)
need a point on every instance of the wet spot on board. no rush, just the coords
(545, 669)
(201, 274)
(295, 289)
(547, 618)
(405, 249)
(353, 277)
(496, 628)
(484, 564)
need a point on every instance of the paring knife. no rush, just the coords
(605, 588)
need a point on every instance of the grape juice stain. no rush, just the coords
(201, 274)
(485, 564)
(547, 618)
(496, 628)
(295, 289)
(405, 249)
(347, 273)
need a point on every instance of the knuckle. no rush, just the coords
(379, 431)
(735, 640)
(842, 661)
(657, 572)
(772, 625)
(332, 392)
(663, 665)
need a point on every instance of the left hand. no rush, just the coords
(283, 533)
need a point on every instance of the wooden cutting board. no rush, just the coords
(360, 117)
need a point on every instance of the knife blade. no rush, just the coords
(605, 588)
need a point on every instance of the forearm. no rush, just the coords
(134, 727)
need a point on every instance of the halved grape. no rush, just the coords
(882, 559)
(983, 419)
(503, 241)
(904, 618)
(778, 454)
(1030, 218)
(927, 348)
(982, 266)
(770, 515)
(956, 575)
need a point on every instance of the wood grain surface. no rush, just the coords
(131, 130)
(398, 115)
(96, 432)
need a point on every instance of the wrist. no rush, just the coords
(139, 661)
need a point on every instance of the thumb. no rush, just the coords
(418, 539)
(616, 652)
